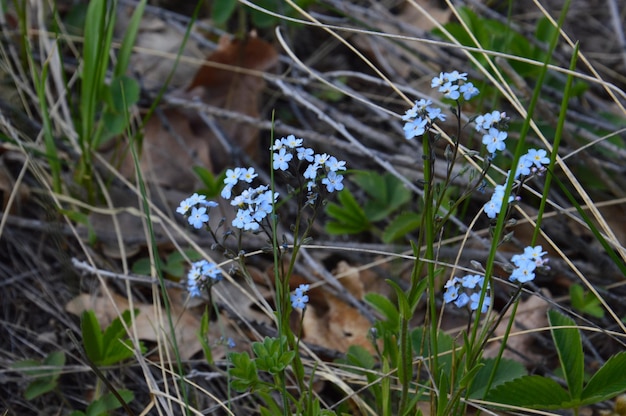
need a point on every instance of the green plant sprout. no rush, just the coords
(45, 373)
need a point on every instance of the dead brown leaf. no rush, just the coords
(531, 314)
(148, 322)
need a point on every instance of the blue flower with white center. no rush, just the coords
(494, 140)
(525, 272)
(333, 181)
(298, 298)
(198, 217)
(538, 157)
(471, 280)
(292, 142)
(278, 144)
(451, 293)
(415, 128)
(523, 166)
(248, 175)
(311, 171)
(184, 207)
(202, 274)
(439, 81)
(475, 300)
(335, 165)
(462, 300)
(469, 91)
(321, 160)
(434, 113)
(232, 176)
(450, 90)
(196, 199)
(304, 153)
(281, 160)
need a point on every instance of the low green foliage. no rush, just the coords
(45, 373)
(107, 347)
(385, 211)
(585, 302)
(538, 392)
(223, 10)
(105, 404)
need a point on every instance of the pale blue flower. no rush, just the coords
(196, 199)
(248, 174)
(333, 181)
(311, 171)
(462, 300)
(492, 207)
(335, 165)
(304, 153)
(471, 280)
(232, 176)
(184, 207)
(281, 160)
(450, 90)
(523, 166)
(299, 299)
(321, 160)
(198, 217)
(451, 293)
(434, 113)
(292, 142)
(538, 157)
(469, 91)
(475, 300)
(415, 128)
(524, 272)
(494, 140)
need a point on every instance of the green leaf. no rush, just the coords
(401, 225)
(243, 371)
(388, 193)
(122, 94)
(349, 216)
(92, 336)
(507, 370)
(386, 308)
(130, 35)
(39, 387)
(109, 402)
(358, 356)
(608, 381)
(586, 303)
(570, 349)
(222, 10)
(533, 392)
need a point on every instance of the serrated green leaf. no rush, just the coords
(507, 370)
(349, 216)
(570, 349)
(386, 308)
(533, 392)
(607, 382)
(92, 336)
(401, 225)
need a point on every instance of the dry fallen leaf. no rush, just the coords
(147, 322)
(175, 140)
(531, 314)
